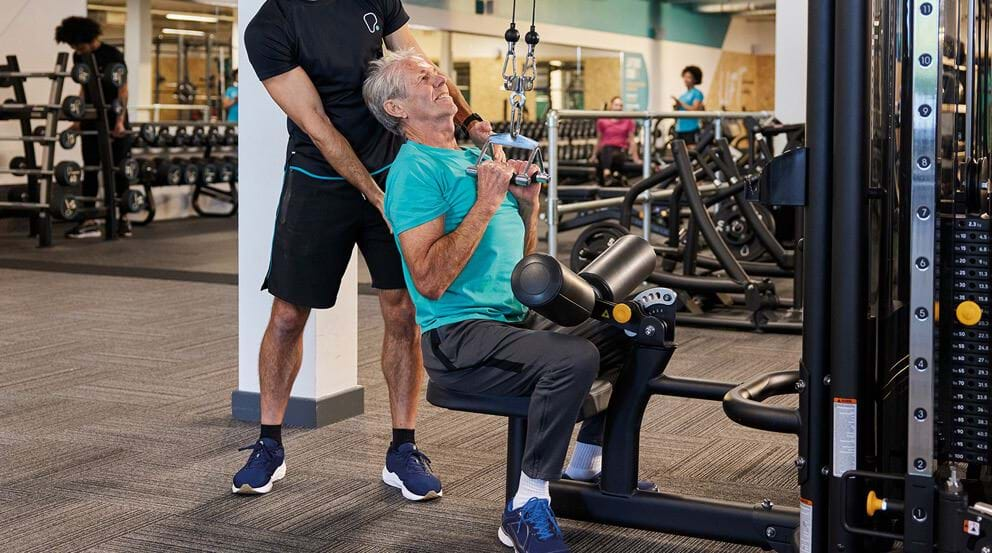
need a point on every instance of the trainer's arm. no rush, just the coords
(435, 259)
(295, 93)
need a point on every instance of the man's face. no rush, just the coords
(427, 97)
(83, 48)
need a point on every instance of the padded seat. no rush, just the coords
(512, 406)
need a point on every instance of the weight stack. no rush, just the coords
(964, 340)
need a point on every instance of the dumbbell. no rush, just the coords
(67, 138)
(180, 137)
(231, 136)
(167, 173)
(65, 204)
(233, 161)
(225, 170)
(72, 107)
(199, 136)
(80, 73)
(165, 137)
(208, 171)
(189, 170)
(38, 136)
(148, 134)
(66, 173)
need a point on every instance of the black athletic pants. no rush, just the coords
(555, 366)
(120, 149)
(612, 158)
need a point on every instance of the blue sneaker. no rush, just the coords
(642, 485)
(408, 469)
(532, 528)
(266, 465)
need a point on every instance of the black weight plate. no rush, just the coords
(594, 241)
(148, 134)
(73, 107)
(18, 162)
(68, 173)
(67, 139)
(115, 74)
(81, 73)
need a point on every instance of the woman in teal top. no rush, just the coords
(231, 100)
(691, 100)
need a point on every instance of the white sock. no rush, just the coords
(530, 487)
(587, 461)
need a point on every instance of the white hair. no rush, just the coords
(385, 82)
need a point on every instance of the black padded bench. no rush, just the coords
(515, 409)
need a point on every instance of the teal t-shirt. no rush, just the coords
(688, 125)
(232, 112)
(425, 183)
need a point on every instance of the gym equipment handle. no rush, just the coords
(743, 403)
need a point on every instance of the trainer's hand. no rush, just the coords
(380, 204)
(527, 196)
(493, 182)
(479, 133)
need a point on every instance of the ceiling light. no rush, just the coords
(184, 32)
(191, 17)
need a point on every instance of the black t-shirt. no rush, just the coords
(105, 55)
(333, 41)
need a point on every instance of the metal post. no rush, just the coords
(969, 93)
(645, 173)
(718, 127)
(925, 78)
(852, 405)
(553, 183)
(814, 399)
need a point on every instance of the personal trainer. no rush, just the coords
(460, 238)
(312, 58)
(82, 34)
(690, 100)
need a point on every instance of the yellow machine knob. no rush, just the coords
(621, 313)
(874, 504)
(969, 313)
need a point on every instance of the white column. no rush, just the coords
(326, 389)
(790, 60)
(138, 53)
(447, 65)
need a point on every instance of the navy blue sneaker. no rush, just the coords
(266, 465)
(642, 485)
(532, 528)
(408, 469)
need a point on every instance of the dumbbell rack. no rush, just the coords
(162, 139)
(34, 203)
(44, 195)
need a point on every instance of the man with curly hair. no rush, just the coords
(82, 34)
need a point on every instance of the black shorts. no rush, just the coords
(318, 224)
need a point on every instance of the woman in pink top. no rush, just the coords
(614, 138)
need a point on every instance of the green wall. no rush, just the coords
(642, 18)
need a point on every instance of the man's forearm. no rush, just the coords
(338, 152)
(448, 256)
(529, 214)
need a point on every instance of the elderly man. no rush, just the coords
(459, 239)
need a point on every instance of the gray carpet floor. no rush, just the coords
(116, 434)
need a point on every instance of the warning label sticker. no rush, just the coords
(805, 525)
(845, 436)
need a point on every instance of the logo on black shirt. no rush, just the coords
(372, 22)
